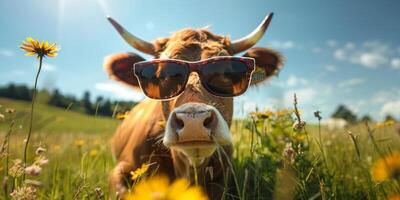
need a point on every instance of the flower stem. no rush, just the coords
(196, 179)
(32, 109)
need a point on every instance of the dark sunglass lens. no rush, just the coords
(163, 80)
(225, 78)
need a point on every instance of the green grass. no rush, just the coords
(330, 167)
(73, 170)
(49, 119)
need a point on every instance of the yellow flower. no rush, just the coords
(263, 115)
(40, 49)
(159, 188)
(379, 125)
(79, 142)
(300, 137)
(93, 152)
(384, 124)
(389, 122)
(285, 112)
(122, 116)
(386, 168)
(139, 171)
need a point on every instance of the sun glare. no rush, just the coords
(104, 7)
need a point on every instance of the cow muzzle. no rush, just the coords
(196, 129)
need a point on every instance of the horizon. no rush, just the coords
(49, 94)
(337, 52)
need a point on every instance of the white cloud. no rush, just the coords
(48, 67)
(331, 68)
(370, 59)
(340, 54)
(391, 108)
(248, 103)
(350, 45)
(331, 43)
(282, 44)
(381, 103)
(386, 95)
(295, 81)
(249, 106)
(351, 82)
(119, 91)
(104, 7)
(376, 46)
(369, 54)
(6, 52)
(304, 95)
(317, 50)
(395, 63)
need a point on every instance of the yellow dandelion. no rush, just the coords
(265, 115)
(300, 137)
(389, 122)
(139, 171)
(159, 188)
(384, 124)
(387, 168)
(285, 112)
(269, 113)
(121, 116)
(379, 125)
(79, 142)
(262, 115)
(40, 49)
(93, 153)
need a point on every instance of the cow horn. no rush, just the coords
(251, 39)
(135, 42)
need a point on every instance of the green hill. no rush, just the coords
(51, 119)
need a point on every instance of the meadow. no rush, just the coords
(276, 156)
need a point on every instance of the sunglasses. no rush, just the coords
(224, 76)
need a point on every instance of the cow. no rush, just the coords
(149, 134)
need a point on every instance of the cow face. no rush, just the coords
(197, 122)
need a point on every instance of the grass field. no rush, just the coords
(272, 160)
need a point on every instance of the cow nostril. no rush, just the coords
(178, 122)
(209, 121)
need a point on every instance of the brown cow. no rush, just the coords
(175, 134)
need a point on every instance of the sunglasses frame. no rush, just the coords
(195, 66)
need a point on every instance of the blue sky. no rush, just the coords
(337, 51)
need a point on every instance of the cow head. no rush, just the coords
(196, 121)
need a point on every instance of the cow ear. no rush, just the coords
(119, 67)
(268, 63)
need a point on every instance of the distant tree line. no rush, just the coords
(19, 92)
(345, 113)
(100, 106)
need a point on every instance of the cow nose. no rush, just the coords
(193, 124)
(206, 118)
